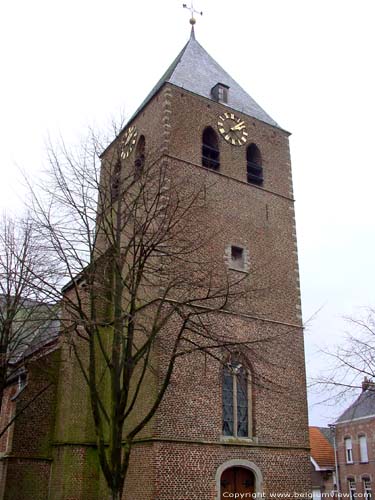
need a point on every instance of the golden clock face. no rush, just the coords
(128, 142)
(232, 128)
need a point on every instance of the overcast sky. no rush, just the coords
(310, 64)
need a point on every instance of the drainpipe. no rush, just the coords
(333, 431)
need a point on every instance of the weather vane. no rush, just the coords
(192, 11)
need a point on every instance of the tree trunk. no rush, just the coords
(116, 495)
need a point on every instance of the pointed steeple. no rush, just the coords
(192, 33)
(196, 71)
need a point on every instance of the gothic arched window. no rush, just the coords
(236, 400)
(210, 149)
(139, 157)
(254, 165)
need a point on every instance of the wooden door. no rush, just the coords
(237, 480)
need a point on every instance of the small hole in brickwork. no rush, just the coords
(237, 257)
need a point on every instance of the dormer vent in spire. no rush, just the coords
(220, 92)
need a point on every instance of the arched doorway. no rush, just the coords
(236, 480)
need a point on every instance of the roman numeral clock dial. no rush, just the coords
(232, 128)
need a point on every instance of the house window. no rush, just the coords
(254, 165)
(210, 149)
(348, 450)
(363, 448)
(235, 400)
(220, 93)
(352, 489)
(139, 157)
(367, 488)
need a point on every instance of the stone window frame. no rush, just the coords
(245, 464)
(228, 258)
(250, 434)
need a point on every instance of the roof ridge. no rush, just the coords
(359, 408)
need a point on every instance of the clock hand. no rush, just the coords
(239, 126)
(128, 139)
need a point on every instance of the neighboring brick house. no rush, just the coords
(322, 461)
(222, 428)
(355, 441)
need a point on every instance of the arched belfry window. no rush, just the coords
(236, 400)
(140, 152)
(254, 165)
(115, 180)
(210, 149)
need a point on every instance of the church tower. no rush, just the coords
(241, 426)
(230, 424)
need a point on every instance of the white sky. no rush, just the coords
(310, 64)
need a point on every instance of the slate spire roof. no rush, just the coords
(196, 71)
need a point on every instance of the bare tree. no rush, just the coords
(350, 362)
(26, 316)
(131, 240)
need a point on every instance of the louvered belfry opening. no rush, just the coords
(139, 157)
(254, 165)
(210, 149)
(115, 180)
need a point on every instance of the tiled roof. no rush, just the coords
(363, 406)
(196, 71)
(321, 449)
(35, 325)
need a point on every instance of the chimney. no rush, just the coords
(368, 384)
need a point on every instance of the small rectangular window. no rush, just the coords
(348, 450)
(237, 257)
(363, 448)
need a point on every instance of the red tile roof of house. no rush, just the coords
(321, 449)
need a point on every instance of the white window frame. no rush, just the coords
(363, 451)
(348, 450)
(367, 488)
(352, 487)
